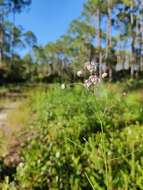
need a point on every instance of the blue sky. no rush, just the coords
(49, 19)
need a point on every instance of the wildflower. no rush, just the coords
(79, 73)
(104, 75)
(21, 164)
(57, 154)
(91, 67)
(87, 83)
(124, 93)
(93, 79)
(63, 86)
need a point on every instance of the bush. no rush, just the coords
(84, 141)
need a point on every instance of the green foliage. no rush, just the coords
(84, 141)
(6, 185)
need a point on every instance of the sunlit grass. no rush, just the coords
(17, 118)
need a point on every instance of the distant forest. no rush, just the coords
(108, 33)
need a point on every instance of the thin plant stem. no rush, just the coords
(89, 181)
(104, 152)
(133, 162)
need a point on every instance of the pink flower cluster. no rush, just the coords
(91, 67)
(93, 78)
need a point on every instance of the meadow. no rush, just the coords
(82, 140)
(71, 95)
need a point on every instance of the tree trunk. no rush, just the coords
(141, 53)
(109, 30)
(137, 42)
(98, 28)
(108, 38)
(99, 41)
(1, 56)
(141, 43)
(1, 39)
(133, 35)
(13, 43)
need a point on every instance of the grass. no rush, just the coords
(83, 141)
(18, 117)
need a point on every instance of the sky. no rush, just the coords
(49, 19)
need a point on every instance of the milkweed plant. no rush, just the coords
(91, 84)
(94, 78)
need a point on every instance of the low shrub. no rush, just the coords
(84, 141)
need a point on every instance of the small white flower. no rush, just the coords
(57, 154)
(79, 73)
(104, 75)
(63, 86)
(21, 164)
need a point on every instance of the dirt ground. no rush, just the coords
(11, 124)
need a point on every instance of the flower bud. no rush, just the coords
(63, 86)
(104, 75)
(79, 73)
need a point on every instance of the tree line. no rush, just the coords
(13, 39)
(108, 33)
